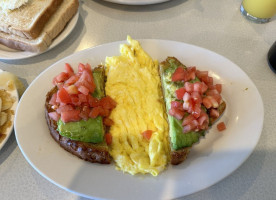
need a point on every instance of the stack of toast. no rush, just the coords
(35, 24)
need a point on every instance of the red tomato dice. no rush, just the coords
(70, 116)
(221, 126)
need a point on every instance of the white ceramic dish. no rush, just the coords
(214, 158)
(137, 2)
(10, 129)
(12, 54)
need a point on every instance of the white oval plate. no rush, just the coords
(137, 2)
(214, 158)
(9, 130)
(13, 54)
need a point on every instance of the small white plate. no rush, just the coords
(9, 130)
(215, 157)
(13, 54)
(137, 2)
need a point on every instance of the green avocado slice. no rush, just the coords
(91, 130)
(178, 139)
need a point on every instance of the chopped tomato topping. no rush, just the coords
(70, 116)
(107, 121)
(108, 138)
(179, 74)
(221, 126)
(54, 116)
(214, 113)
(178, 114)
(179, 93)
(147, 134)
(63, 96)
(74, 94)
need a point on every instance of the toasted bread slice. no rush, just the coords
(55, 25)
(92, 152)
(28, 20)
(179, 152)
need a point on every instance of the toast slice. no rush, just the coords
(92, 152)
(28, 20)
(181, 143)
(53, 27)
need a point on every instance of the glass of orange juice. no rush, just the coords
(259, 11)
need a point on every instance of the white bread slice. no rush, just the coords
(29, 19)
(54, 26)
(11, 4)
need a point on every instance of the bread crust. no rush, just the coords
(51, 30)
(35, 28)
(95, 153)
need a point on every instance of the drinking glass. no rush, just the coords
(259, 11)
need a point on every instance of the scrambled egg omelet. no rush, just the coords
(133, 82)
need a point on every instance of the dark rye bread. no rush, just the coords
(95, 153)
(178, 156)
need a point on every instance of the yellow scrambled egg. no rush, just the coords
(133, 82)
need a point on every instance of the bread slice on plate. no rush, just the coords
(97, 152)
(28, 20)
(53, 27)
(181, 141)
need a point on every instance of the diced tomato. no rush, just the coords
(93, 102)
(71, 89)
(147, 134)
(218, 87)
(95, 112)
(108, 138)
(178, 114)
(107, 121)
(70, 116)
(189, 87)
(81, 67)
(179, 74)
(82, 98)
(69, 70)
(107, 102)
(201, 74)
(65, 107)
(196, 110)
(86, 80)
(54, 116)
(196, 97)
(83, 90)
(63, 76)
(75, 100)
(178, 105)
(179, 93)
(209, 102)
(63, 96)
(73, 79)
(105, 112)
(53, 100)
(85, 111)
(221, 126)
(214, 113)
(187, 120)
(190, 74)
(203, 118)
(212, 92)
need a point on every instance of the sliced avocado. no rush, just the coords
(178, 138)
(91, 130)
(98, 75)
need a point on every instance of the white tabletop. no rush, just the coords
(215, 25)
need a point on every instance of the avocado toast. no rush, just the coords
(84, 134)
(193, 104)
